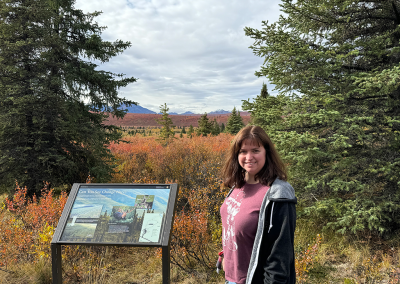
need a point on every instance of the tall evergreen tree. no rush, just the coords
(215, 130)
(264, 91)
(340, 135)
(234, 123)
(183, 130)
(47, 132)
(266, 111)
(166, 132)
(190, 131)
(205, 126)
(222, 127)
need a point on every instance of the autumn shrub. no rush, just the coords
(305, 260)
(377, 268)
(194, 163)
(184, 160)
(394, 275)
(88, 264)
(28, 225)
(192, 241)
(26, 232)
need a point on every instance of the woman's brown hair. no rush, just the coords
(233, 173)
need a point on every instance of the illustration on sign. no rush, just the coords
(122, 215)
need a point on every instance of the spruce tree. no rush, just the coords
(190, 131)
(47, 132)
(183, 130)
(205, 126)
(337, 63)
(266, 111)
(234, 123)
(166, 132)
(215, 130)
(264, 91)
(222, 127)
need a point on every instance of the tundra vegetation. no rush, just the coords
(322, 256)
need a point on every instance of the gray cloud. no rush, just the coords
(192, 55)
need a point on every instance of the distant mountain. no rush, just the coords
(187, 113)
(219, 111)
(170, 113)
(137, 109)
(142, 110)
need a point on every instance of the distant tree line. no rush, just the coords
(205, 126)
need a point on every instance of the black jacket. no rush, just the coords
(272, 258)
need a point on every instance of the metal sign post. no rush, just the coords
(166, 260)
(56, 263)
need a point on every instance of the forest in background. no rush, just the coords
(150, 120)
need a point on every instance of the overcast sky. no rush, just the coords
(190, 54)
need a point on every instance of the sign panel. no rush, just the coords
(117, 214)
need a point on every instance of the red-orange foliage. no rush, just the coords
(27, 225)
(191, 237)
(195, 165)
(24, 223)
(191, 162)
(305, 260)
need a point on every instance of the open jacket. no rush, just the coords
(272, 257)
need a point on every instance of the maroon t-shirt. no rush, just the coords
(239, 215)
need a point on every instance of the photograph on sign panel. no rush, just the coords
(144, 201)
(117, 215)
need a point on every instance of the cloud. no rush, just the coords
(192, 55)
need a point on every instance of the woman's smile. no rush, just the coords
(251, 158)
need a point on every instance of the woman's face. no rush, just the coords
(251, 157)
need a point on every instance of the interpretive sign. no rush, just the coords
(118, 215)
(115, 214)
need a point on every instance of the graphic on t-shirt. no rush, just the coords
(233, 207)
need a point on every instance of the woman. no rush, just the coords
(259, 214)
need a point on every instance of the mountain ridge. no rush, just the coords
(143, 110)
